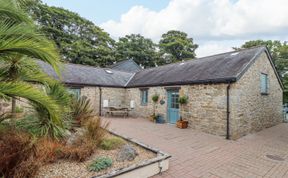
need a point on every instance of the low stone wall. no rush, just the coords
(143, 169)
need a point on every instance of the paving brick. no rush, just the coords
(200, 155)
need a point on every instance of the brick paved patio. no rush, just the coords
(199, 155)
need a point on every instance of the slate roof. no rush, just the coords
(75, 74)
(126, 65)
(221, 68)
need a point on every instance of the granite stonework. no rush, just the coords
(115, 97)
(5, 106)
(252, 111)
(206, 110)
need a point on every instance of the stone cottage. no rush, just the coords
(230, 94)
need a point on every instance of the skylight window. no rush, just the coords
(234, 54)
(181, 63)
(109, 71)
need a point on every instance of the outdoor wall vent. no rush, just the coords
(109, 71)
(234, 54)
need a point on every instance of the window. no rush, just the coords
(264, 83)
(175, 100)
(144, 96)
(75, 91)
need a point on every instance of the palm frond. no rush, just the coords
(22, 39)
(34, 95)
(11, 10)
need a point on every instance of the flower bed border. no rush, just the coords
(162, 161)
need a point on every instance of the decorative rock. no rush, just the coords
(72, 137)
(127, 152)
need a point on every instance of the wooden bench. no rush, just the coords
(118, 111)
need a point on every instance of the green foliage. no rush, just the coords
(40, 127)
(95, 129)
(19, 36)
(31, 93)
(19, 109)
(100, 163)
(79, 40)
(155, 98)
(141, 50)
(176, 46)
(183, 100)
(111, 143)
(43, 122)
(20, 45)
(81, 110)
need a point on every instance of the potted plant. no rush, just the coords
(155, 99)
(183, 100)
(159, 119)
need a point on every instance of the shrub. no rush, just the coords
(111, 143)
(81, 110)
(17, 151)
(41, 126)
(48, 150)
(100, 164)
(95, 129)
(86, 145)
(79, 151)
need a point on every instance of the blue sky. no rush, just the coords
(100, 11)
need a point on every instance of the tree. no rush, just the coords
(20, 45)
(141, 50)
(78, 40)
(278, 50)
(273, 46)
(176, 46)
(279, 53)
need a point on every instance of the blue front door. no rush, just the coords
(173, 106)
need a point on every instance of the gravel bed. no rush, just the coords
(69, 169)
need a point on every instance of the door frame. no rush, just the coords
(176, 89)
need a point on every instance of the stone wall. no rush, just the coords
(207, 104)
(115, 96)
(252, 111)
(93, 94)
(147, 110)
(205, 110)
(5, 106)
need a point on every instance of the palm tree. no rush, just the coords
(20, 45)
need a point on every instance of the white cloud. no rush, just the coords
(214, 24)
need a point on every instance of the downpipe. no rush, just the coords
(228, 113)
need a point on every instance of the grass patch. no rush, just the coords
(111, 143)
(100, 164)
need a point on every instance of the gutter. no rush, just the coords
(228, 113)
(208, 81)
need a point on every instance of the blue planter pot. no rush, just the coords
(160, 120)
